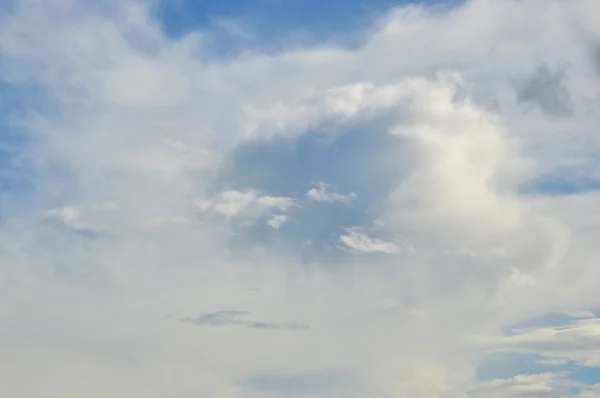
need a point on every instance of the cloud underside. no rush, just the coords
(380, 213)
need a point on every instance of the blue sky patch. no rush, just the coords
(360, 159)
(262, 24)
(559, 186)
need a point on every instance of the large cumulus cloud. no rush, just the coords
(364, 221)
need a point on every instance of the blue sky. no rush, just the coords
(272, 18)
(299, 198)
(269, 25)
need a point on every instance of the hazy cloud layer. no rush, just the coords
(384, 200)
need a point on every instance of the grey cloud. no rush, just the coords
(547, 90)
(218, 318)
(230, 317)
(592, 44)
(279, 326)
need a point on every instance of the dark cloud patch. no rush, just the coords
(218, 318)
(231, 317)
(546, 89)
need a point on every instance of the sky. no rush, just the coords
(237, 199)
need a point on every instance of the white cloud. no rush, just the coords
(67, 215)
(277, 221)
(233, 203)
(149, 123)
(90, 219)
(278, 202)
(236, 203)
(322, 193)
(362, 243)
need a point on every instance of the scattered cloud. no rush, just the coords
(361, 243)
(323, 193)
(576, 342)
(250, 203)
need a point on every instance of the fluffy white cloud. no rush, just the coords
(152, 125)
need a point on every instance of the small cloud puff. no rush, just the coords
(359, 242)
(249, 203)
(277, 221)
(323, 193)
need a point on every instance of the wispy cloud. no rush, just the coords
(226, 318)
(576, 341)
(362, 243)
(323, 193)
(247, 205)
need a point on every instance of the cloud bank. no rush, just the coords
(383, 214)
